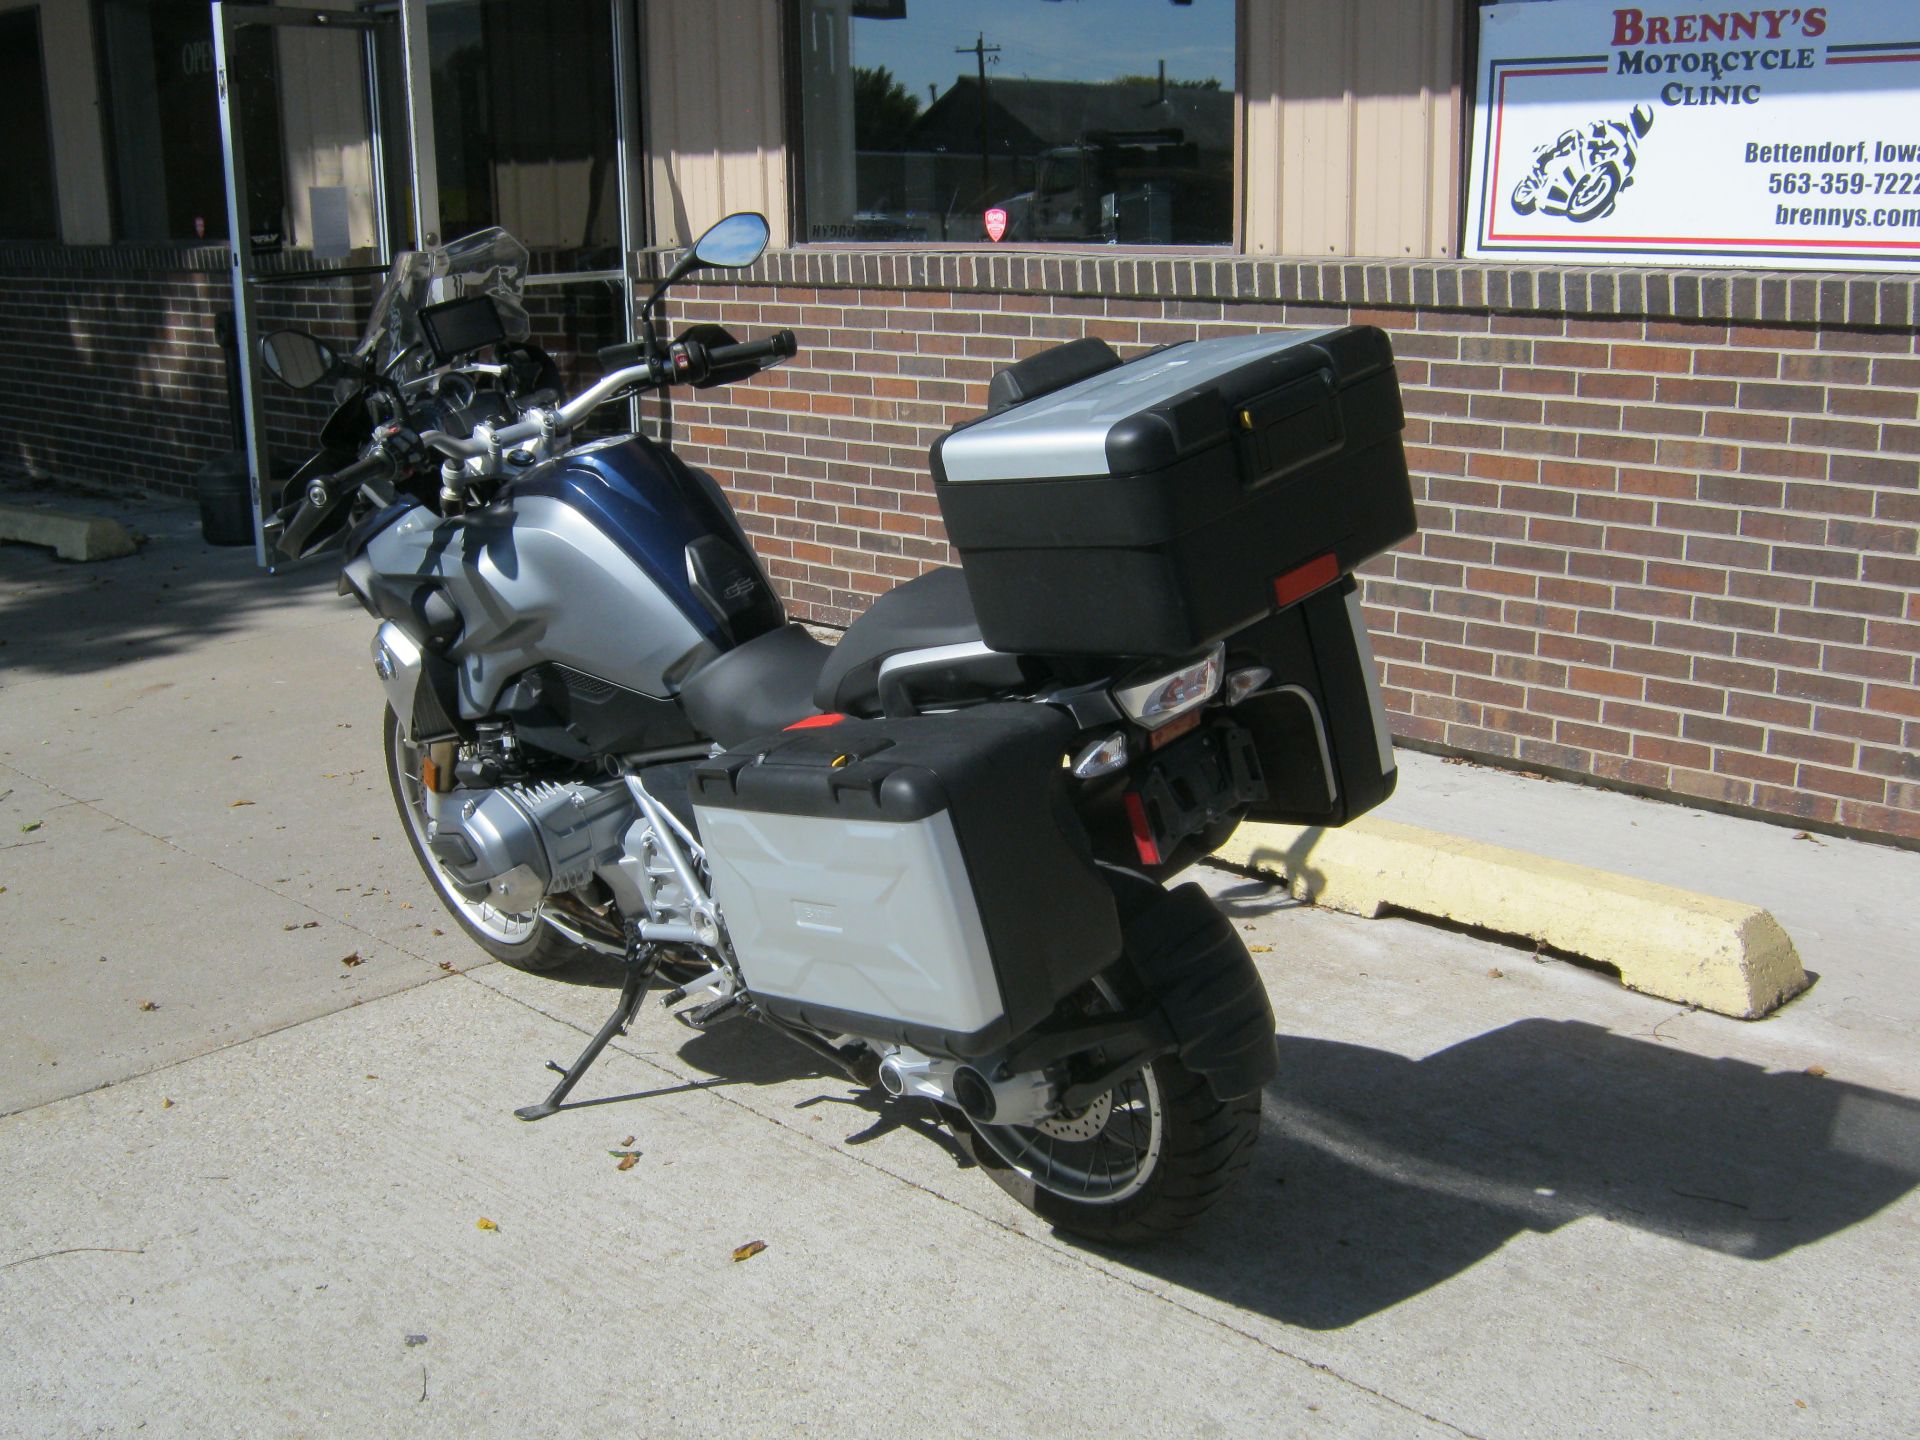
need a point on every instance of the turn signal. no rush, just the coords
(1102, 757)
(1242, 683)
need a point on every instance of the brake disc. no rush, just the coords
(1083, 1125)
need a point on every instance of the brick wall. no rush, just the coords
(1673, 551)
(110, 373)
(1669, 521)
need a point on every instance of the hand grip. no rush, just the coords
(778, 346)
(618, 357)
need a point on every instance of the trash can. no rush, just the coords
(226, 502)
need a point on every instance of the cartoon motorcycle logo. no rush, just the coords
(1581, 174)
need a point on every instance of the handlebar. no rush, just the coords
(685, 362)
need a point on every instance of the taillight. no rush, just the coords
(1154, 702)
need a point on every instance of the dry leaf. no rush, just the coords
(1261, 949)
(445, 964)
(439, 932)
(627, 1141)
(353, 959)
(238, 803)
(165, 1103)
(627, 1162)
(1496, 974)
(484, 1224)
(149, 1005)
(1817, 1071)
(749, 1250)
(406, 904)
(1803, 835)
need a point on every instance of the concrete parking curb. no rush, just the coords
(72, 537)
(1721, 955)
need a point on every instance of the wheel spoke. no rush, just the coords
(493, 923)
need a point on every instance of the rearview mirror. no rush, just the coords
(733, 242)
(296, 359)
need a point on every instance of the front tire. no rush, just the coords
(523, 941)
(1593, 194)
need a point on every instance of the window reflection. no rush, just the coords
(1078, 121)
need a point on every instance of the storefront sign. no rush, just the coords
(1780, 137)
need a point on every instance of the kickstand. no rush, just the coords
(617, 1023)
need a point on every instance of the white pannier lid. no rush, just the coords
(1064, 435)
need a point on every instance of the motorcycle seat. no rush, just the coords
(762, 685)
(919, 640)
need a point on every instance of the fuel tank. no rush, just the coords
(616, 561)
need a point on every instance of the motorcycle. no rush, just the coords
(1581, 174)
(932, 853)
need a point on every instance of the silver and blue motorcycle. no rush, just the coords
(933, 852)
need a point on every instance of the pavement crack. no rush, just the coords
(73, 1250)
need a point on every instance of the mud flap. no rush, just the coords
(1194, 964)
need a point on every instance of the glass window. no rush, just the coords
(524, 126)
(169, 178)
(26, 162)
(1078, 121)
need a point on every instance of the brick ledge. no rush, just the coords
(1889, 301)
(1860, 301)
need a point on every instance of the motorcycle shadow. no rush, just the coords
(1378, 1177)
(744, 1053)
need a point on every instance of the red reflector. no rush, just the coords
(1173, 730)
(1143, 840)
(816, 722)
(1305, 579)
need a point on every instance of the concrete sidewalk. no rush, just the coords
(1494, 1196)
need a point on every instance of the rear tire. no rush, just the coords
(525, 942)
(1203, 1146)
(1143, 1162)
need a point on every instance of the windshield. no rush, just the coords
(487, 262)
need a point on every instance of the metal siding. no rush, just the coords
(1351, 109)
(715, 115)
